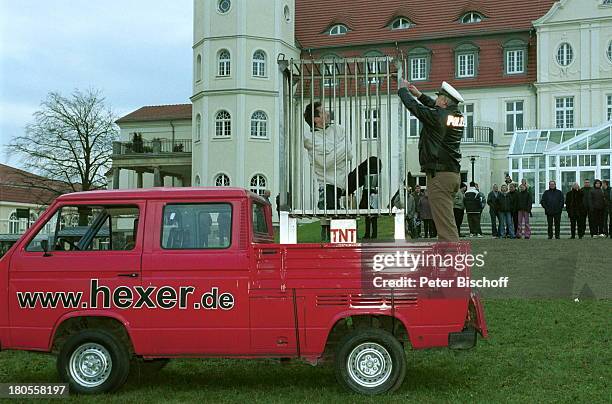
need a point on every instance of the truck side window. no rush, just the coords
(260, 225)
(89, 228)
(197, 226)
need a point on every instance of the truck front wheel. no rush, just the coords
(370, 361)
(93, 361)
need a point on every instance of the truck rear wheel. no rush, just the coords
(370, 361)
(93, 361)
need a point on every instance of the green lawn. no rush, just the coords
(543, 346)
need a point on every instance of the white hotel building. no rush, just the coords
(230, 132)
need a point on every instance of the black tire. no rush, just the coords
(93, 362)
(379, 353)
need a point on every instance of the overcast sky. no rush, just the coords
(137, 52)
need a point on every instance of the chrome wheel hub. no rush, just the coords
(90, 365)
(369, 364)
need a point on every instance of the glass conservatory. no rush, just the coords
(564, 155)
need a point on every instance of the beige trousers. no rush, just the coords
(441, 189)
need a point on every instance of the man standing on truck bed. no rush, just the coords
(439, 149)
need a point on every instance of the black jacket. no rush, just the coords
(514, 200)
(585, 196)
(608, 198)
(574, 202)
(552, 202)
(440, 139)
(596, 199)
(492, 200)
(472, 201)
(504, 202)
(524, 201)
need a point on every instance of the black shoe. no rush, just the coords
(573, 237)
(550, 238)
(558, 238)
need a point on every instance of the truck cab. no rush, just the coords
(107, 278)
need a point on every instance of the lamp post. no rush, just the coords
(473, 161)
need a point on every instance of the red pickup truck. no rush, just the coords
(107, 279)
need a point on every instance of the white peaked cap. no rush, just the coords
(450, 91)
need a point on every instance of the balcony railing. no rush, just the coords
(478, 135)
(152, 147)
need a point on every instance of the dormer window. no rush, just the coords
(338, 29)
(401, 23)
(471, 18)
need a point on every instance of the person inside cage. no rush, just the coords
(329, 151)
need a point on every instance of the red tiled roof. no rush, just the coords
(490, 70)
(158, 113)
(433, 19)
(24, 187)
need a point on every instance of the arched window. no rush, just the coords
(222, 180)
(287, 14)
(223, 124)
(198, 134)
(224, 6)
(259, 184)
(13, 224)
(199, 68)
(471, 18)
(259, 124)
(401, 23)
(259, 64)
(565, 54)
(225, 63)
(609, 51)
(197, 181)
(338, 29)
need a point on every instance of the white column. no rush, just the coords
(288, 229)
(400, 230)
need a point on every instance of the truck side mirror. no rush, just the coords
(44, 244)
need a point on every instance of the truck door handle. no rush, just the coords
(269, 252)
(132, 275)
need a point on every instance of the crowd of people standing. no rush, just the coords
(510, 209)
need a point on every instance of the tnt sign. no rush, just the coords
(343, 231)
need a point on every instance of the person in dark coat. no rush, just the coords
(492, 202)
(504, 209)
(424, 208)
(417, 218)
(552, 201)
(597, 207)
(574, 204)
(586, 190)
(513, 194)
(605, 187)
(459, 207)
(524, 203)
(473, 202)
(442, 129)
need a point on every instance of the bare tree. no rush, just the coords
(70, 140)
